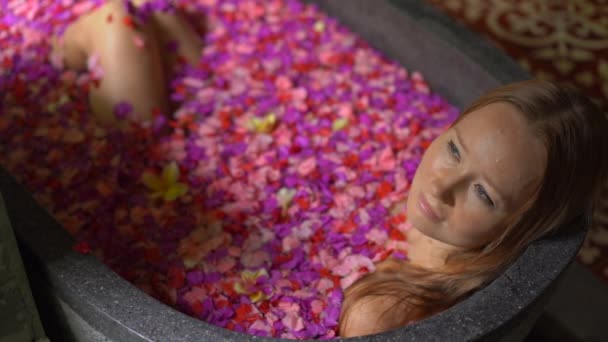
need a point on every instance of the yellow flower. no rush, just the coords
(263, 125)
(247, 285)
(339, 124)
(165, 186)
(319, 26)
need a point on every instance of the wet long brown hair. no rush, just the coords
(575, 134)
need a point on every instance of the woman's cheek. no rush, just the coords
(472, 225)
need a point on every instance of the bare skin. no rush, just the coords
(366, 314)
(472, 177)
(134, 63)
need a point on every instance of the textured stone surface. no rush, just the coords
(579, 306)
(459, 66)
(19, 319)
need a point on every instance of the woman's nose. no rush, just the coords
(443, 187)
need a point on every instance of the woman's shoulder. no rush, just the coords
(371, 315)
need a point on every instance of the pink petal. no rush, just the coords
(239, 207)
(234, 251)
(327, 259)
(349, 279)
(253, 242)
(260, 325)
(386, 160)
(255, 259)
(293, 322)
(282, 82)
(288, 307)
(352, 263)
(139, 41)
(237, 87)
(299, 94)
(69, 76)
(271, 317)
(244, 48)
(325, 56)
(273, 175)
(356, 191)
(284, 283)
(316, 306)
(324, 285)
(307, 166)
(364, 216)
(195, 83)
(289, 243)
(93, 64)
(345, 111)
(31, 37)
(206, 130)
(226, 264)
(401, 182)
(56, 59)
(377, 236)
(283, 138)
(197, 294)
(343, 201)
(81, 8)
(329, 335)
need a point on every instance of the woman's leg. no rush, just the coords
(133, 58)
(173, 27)
(129, 57)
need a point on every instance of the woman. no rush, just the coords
(520, 163)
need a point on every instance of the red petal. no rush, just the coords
(384, 189)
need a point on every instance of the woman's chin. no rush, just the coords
(418, 221)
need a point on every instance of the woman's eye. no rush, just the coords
(453, 149)
(484, 195)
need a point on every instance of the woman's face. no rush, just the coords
(475, 175)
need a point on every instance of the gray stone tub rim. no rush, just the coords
(470, 66)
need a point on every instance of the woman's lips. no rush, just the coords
(426, 209)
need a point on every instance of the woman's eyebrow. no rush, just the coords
(501, 197)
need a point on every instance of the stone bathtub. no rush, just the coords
(81, 299)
